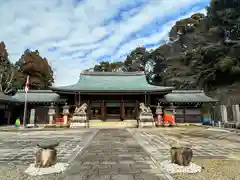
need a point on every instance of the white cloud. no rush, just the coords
(73, 35)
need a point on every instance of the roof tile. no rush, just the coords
(37, 96)
(113, 81)
(188, 96)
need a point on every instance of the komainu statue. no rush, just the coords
(143, 108)
(145, 115)
(81, 110)
(80, 116)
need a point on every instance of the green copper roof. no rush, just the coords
(6, 98)
(113, 81)
(185, 96)
(42, 96)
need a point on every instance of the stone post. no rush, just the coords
(65, 114)
(223, 111)
(236, 114)
(51, 113)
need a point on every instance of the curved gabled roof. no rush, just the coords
(6, 98)
(42, 96)
(113, 82)
(193, 96)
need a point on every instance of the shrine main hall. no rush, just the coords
(114, 96)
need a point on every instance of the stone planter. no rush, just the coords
(46, 156)
(181, 156)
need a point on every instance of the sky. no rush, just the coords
(74, 35)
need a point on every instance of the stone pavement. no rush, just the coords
(158, 145)
(110, 154)
(114, 154)
(19, 148)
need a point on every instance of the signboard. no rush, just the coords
(32, 116)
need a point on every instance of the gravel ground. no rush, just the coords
(11, 172)
(213, 170)
(218, 152)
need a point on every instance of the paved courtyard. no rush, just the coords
(204, 143)
(110, 154)
(20, 148)
(217, 151)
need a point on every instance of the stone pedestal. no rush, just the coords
(79, 120)
(223, 111)
(65, 119)
(51, 120)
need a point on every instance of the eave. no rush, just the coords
(64, 91)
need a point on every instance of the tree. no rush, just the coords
(137, 59)
(155, 66)
(103, 66)
(225, 14)
(7, 71)
(202, 51)
(37, 67)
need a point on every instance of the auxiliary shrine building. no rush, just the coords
(112, 96)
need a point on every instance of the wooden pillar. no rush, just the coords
(145, 99)
(75, 99)
(9, 117)
(89, 109)
(148, 100)
(122, 110)
(103, 113)
(184, 115)
(136, 110)
(79, 99)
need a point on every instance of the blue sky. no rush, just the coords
(77, 34)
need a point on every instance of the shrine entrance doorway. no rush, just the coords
(113, 113)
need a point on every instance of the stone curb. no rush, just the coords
(80, 151)
(86, 144)
(39, 129)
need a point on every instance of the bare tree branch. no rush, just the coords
(9, 82)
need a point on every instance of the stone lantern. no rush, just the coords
(51, 113)
(65, 113)
(159, 115)
(159, 109)
(173, 109)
